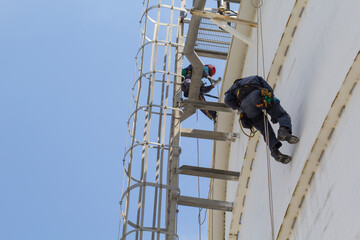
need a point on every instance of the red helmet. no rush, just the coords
(212, 69)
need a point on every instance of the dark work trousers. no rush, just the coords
(210, 114)
(259, 125)
(277, 113)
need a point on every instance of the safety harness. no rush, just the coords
(245, 90)
(267, 98)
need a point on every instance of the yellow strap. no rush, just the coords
(207, 112)
(238, 92)
(252, 131)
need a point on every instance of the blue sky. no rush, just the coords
(66, 72)
(63, 70)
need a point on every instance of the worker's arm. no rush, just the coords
(213, 81)
(206, 89)
(185, 86)
(231, 101)
(264, 84)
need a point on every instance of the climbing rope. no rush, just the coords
(266, 122)
(198, 164)
(211, 189)
(266, 126)
(201, 222)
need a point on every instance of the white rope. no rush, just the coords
(257, 42)
(198, 164)
(271, 203)
(201, 222)
(266, 126)
(262, 43)
(211, 192)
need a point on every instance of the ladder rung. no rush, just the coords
(208, 172)
(233, 1)
(217, 16)
(211, 54)
(221, 136)
(205, 203)
(214, 106)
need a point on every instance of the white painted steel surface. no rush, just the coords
(324, 46)
(236, 60)
(331, 210)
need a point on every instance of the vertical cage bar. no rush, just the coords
(145, 156)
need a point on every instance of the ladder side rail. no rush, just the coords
(173, 158)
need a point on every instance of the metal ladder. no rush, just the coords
(189, 106)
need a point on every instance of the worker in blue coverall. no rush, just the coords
(208, 72)
(250, 95)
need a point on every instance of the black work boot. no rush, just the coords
(275, 153)
(285, 135)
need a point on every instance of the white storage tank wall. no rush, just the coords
(331, 209)
(325, 44)
(273, 25)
